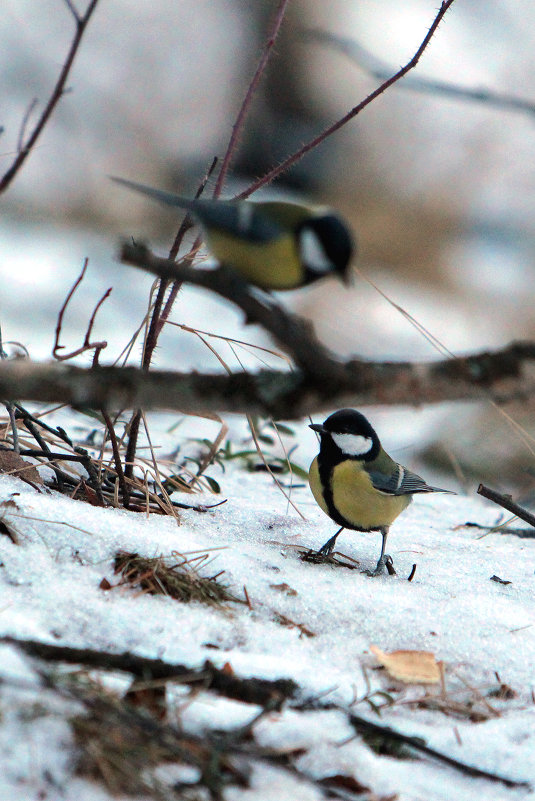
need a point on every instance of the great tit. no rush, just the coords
(356, 482)
(273, 245)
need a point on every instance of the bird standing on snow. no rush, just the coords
(356, 482)
(273, 245)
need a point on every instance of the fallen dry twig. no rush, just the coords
(506, 502)
(270, 694)
(249, 691)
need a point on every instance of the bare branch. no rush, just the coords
(57, 93)
(73, 10)
(249, 691)
(319, 382)
(96, 346)
(24, 124)
(361, 724)
(298, 155)
(381, 70)
(159, 316)
(504, 375)
(506, 502)
(240, 119)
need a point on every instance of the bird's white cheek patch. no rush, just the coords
(312, 253)
(353, 444)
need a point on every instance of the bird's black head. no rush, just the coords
(325, 245)
(347, 434)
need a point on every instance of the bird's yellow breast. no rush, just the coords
(355, 498)
(270, 265)
(315, 485)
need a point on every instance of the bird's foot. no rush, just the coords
(384, 563)
(326, 550)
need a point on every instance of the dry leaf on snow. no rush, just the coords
(411, 667)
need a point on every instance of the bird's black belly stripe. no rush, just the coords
(326, 471)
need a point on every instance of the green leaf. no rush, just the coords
(212, 483)
(192, 459)
(243, 454)
(300, 472)
(173, 427)
(267, 440)
(283, 429)
(95, 415)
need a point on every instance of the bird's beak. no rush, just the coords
(319, 427)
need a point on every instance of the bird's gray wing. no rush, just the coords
(239, 218)
(401, 482)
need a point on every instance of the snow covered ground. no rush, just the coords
(50, 591)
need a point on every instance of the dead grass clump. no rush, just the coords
(125, 748)
(114, 753)
(181, 581)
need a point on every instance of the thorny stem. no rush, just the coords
(186, 224)
(298, 155)
(240, 119)
(157, 321)
(159, 317)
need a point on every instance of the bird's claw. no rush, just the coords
(325, 551)
(384, 563)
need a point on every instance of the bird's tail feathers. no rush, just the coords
(168, 198)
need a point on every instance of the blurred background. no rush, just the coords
(439, 190)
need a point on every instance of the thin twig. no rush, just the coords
(187, 221)
(72, 9)
(11, 408)
(381, 70)
(59, 432)
(87, 345)
(506, 502)
(116, 452)
(14, 430)
(24, 124)
(158, 318)
(45, 451)
(298, 155)
(237, 128)
(249, 691)
(58, 91)
(361, 724)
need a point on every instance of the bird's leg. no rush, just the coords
(327, 549)
(381, 564)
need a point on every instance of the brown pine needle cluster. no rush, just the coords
(180, 580)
